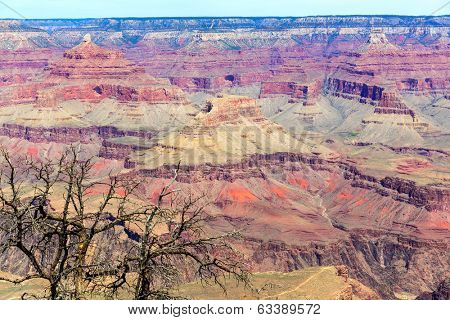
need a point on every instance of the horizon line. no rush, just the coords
(234, 17)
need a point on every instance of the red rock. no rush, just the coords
(304, 92)
(229, 108)
(390, 103)
(87, 60)
(361, 92)
(412, 165)
(416, 70)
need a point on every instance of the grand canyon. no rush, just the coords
(324, 140)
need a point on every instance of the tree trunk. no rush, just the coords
(81, 259)
(142, 288)
(53, 291)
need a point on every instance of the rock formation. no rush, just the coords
(441, 293)
(88, 60)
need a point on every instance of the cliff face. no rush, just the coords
(228, 110)
(306, 93)
(431, 198)
(68, 135)
(386, 263)
(361, 92)
(441, 293)
(111, 150)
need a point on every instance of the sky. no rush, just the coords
(35, 9)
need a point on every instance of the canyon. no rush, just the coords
(326, 146)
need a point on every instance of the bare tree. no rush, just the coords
(100, 238)
(162, 254)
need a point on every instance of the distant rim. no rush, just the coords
(232, 17)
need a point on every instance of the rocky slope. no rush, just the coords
(325, 283)
(441, 293)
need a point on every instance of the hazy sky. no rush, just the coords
(188, 8)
